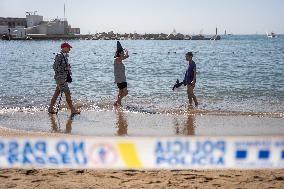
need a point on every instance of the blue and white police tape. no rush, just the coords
(143, 152)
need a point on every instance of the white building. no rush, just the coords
(34, 24)
(33, 20)
(13, 26)
(53, 27)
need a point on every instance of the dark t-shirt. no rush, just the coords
(189, 74)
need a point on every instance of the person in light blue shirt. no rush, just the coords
(190, 79)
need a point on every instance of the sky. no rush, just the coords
(158, 16)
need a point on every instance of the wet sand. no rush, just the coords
(127, 123)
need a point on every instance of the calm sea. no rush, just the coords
(236, 74)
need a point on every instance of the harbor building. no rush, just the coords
(13, 26)
(34, 24)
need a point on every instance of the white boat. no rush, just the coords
(271, 35)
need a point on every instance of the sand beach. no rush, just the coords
(68, 178)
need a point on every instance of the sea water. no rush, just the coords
(243, 75)
(237, 73)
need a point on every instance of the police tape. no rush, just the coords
(143, 152)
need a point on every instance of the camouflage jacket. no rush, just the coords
(61, 68)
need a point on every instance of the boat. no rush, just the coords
(215, 37)
(271, 35)
(6, 37)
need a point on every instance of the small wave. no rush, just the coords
(33, 109)
(196, 111)
(107, 106)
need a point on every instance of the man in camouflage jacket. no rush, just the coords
(62, 69)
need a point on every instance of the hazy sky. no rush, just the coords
(186, 16)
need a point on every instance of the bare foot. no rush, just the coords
(51, 111)
(117, 104)
(190, 106)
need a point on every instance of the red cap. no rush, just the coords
(63, 45)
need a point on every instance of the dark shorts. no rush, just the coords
(122, 85)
